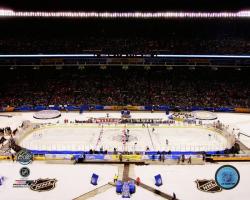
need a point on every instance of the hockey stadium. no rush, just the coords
(124, 101)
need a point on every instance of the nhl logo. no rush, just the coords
(208, 186)
(24, 172)
(42, 185)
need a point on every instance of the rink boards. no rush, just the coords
(82, 137)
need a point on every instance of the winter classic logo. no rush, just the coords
(208, 186)
(42, 185)
(24, 157)
(227, 177)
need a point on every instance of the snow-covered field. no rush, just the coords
(240, 122)
(141, 194)
(181, 180)
(237, 120)
(72, 180)
(18, 117)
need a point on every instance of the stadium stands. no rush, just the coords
(126, 37)
(134, 86)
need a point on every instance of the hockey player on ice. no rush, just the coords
(127, 135)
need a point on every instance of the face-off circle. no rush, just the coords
(119, 138)
(204, 115)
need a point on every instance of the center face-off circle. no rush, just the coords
(119, 138)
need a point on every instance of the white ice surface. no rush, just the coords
(184, 139)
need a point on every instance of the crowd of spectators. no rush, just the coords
(137, 45)
(125, 37)
(7, 143)
(222, 88)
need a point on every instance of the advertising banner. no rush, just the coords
(242, 110)
(127, 157)
(135, 108)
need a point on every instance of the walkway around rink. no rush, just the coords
(94, 192)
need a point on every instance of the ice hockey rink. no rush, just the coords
(76, 178)
(87, 137)
(110, 137)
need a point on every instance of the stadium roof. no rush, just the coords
(127, 5)
(137, 15)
